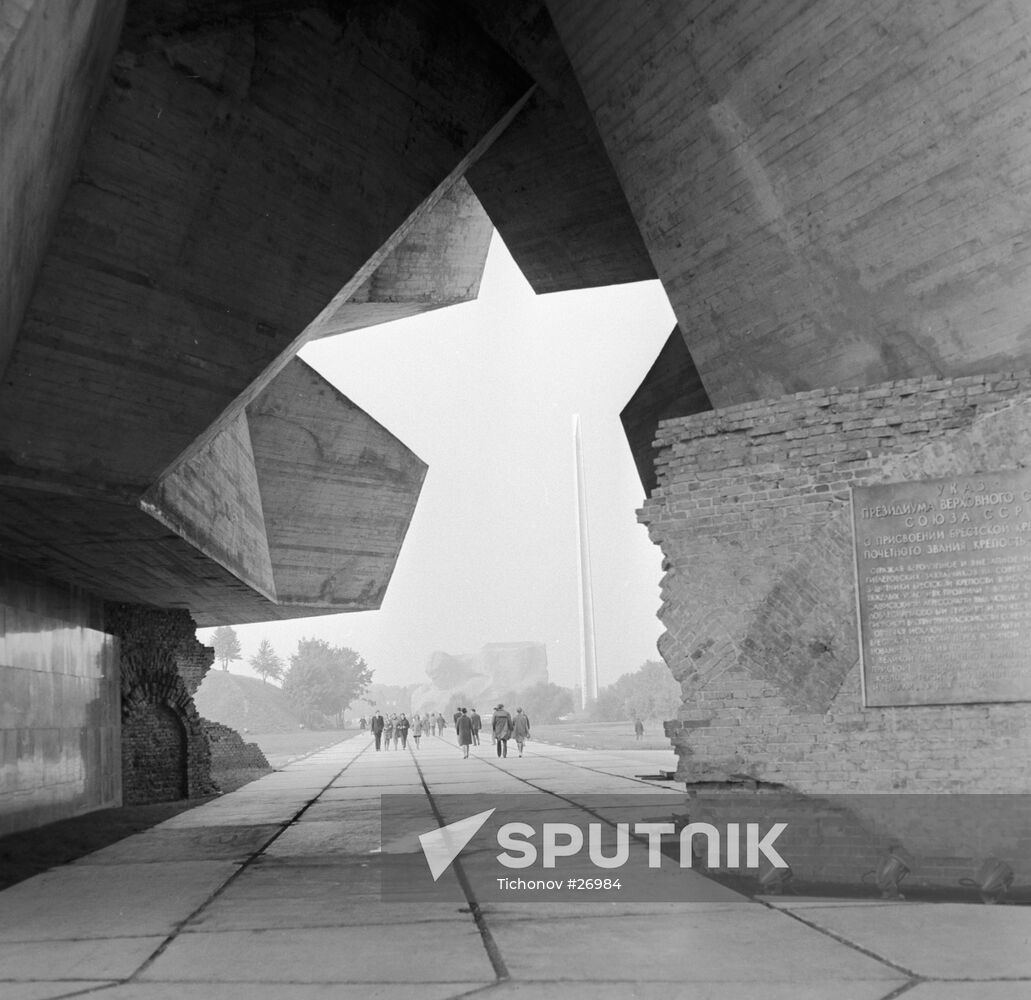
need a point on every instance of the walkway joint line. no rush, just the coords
(283, 827)
(497, 961)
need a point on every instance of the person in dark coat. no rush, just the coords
(401, 728)
(464, 726)
(377, 728)
(501, 726)
(477, 722)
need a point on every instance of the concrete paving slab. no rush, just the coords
(726, 990)
(500, 911)
(980, 990)
(822, 902)
(748, 944)
(297, 991)
(318, 837)
(99, 901)
(348, 910)
(420, 953)
(336, 793)
(234, 813)
(384, 786)
(322, 892)
(281, 914)
(46, 990)
(939, 940)
(106, 959)
(342, 810)
(198, 843)
(314, 924)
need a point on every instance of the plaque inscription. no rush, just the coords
(943, 571)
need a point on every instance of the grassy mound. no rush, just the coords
(245, 703)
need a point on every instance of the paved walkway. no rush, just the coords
(273, 892)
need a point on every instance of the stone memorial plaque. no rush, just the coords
(943, 571)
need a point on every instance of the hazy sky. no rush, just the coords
(484, 393)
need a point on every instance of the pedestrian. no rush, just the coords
(416, 729)
(441, 723)
(377, 728)
(638, 729)
(521, 729)
(477, 722)
(501, 726)
(401, 730)
(388, 732)
(362, 724)
(464, 727)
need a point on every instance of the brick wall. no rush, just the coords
(752, 513)
(228, 750)
(165, 754)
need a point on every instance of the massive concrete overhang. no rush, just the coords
(192, 189)
(252, 176)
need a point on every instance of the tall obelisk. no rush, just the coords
(588, 662)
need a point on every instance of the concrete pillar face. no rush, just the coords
(753, 512)
(830, 193)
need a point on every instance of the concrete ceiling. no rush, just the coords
(192, 189)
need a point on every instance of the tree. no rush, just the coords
(323, 680)
(543, 702)
(266, 663)
(458, 700)
(227, 646)
(389, 698)
(650, 692)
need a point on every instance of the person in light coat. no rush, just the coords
(521, 729)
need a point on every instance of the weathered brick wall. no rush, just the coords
(165, 754)
(193, 660)
(752, 514)
(229, 752)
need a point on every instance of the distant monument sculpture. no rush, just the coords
(588, 661)
(497, 668)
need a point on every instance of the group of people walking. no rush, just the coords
(468, 724)
(503, 728)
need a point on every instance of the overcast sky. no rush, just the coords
(485, 393)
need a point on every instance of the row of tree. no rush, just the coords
(543, 702)
(320, 680)
(650, 692)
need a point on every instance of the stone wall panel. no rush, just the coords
(752, 513)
